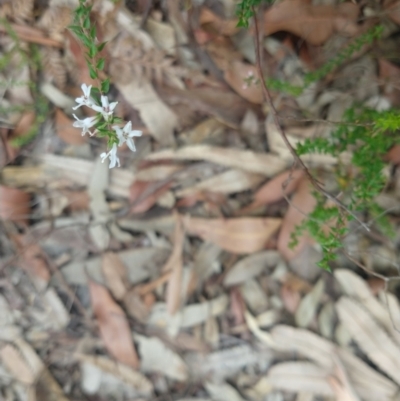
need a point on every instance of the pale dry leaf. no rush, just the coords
(157, 116)
(314, 23)
(327, 319)
(255, 297)
(129, 376)
(98, 205)
(163, 35)
(114, 327)
(253, 326)
(190, 315)
(156, 357)
(299, 377)
(368, 383)
(340, 383)
(222, 392)
(211, 332)
(302, 203)
(309, 304)
(370, 337)
(251, 266)
(237, 235)
(228, 182)
(15, 363)
(354, 286)
(115, 275)
(260, 163)
(175, 265)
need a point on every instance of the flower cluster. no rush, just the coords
(102, 123)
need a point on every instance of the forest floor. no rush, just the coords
(171, 276)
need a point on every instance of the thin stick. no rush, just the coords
(278, 125)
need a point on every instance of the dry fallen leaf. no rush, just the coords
(262, 163)
(370, 337)
(127, 375)
(314, 23)
(302, 203)
(113, 325)
(66, 131)
(238, 235)
(156, 357)
(144, 195)
(300, 377)
(218, 25)
(276, 188)
(251, 266)
(308, 305)
(230, 181)
(243, 79)
(115, 275)
(14, 204)
(175, 265)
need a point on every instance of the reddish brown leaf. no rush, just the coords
(14, 204)
(243, 79)
(314, 23)
(113, 325)
(238, 235)
(24, 124)
(32, 258)
(66, 131)
(217, 24)
(77, 200)
(275, 189)
(302, 203)
(115, 274)
(145, 194)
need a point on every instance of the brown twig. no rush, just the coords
(281, 132)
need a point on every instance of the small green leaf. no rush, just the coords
(100, 47)
(105, 85)
(92, 72)
(93, 32)
(75, 28)
(100, 64)
(86, 22)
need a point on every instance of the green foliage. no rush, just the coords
(244, 11)
(368, 134)
(86, 33)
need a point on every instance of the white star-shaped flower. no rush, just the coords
(126, 134)
(84, 100)
(106, 108)
(112, 154)
(85, 124)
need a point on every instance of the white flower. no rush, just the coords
(84, 100)
(126, 134)
(106, 108)
(112, 154)
(85, 124)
